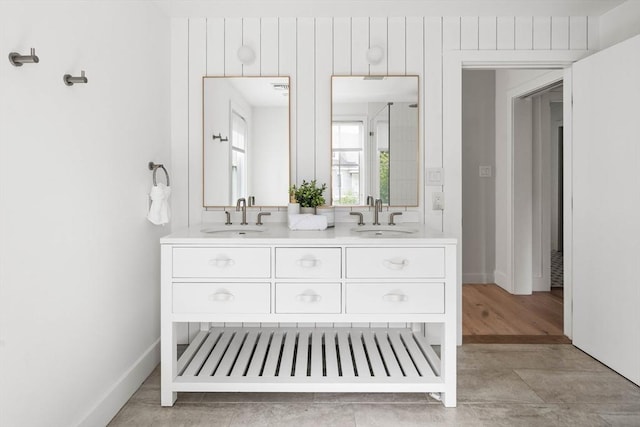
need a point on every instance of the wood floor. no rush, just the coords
(492, 315)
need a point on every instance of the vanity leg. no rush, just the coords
(168, 398)
(449, 399)
(449, 368)
(168, 365)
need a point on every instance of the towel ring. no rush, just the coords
(154, 167)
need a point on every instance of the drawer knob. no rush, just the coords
(221, 262)
(308, 298)
(391, 297)
(221, 296)
(309, 262)
(396, 264)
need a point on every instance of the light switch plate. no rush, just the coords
(434, 176)
(485, 171)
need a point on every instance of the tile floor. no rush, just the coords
(498, 385)
(557, 269)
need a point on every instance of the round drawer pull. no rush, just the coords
(309, 262)
(221, 296)
(396, 264)
(308, 298)
(222, 262)
(395, 298)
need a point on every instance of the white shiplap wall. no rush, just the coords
(310, 50)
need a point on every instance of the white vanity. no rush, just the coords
(341, 310)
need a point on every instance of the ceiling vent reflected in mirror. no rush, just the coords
(281, 87)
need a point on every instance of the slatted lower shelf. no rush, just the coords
(297, 359)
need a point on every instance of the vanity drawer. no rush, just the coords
(222, 262)
(308, 263)
(308, 298)
(407, 263)
(221, 298)
(398, 298)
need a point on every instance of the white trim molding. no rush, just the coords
(526, 285)
(122, 390)
(453, 63)
(477, 278)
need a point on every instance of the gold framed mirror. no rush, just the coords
(375, 140)
(246, 140)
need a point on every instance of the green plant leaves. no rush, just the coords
(309, 194)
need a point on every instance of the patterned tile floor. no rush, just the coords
(498, 385)
(557, 270)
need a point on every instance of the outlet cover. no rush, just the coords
(437, 199)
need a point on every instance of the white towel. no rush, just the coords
(159, 212)
(307, 222)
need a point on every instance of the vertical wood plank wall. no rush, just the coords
(311, 50)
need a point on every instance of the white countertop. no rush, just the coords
(279, 233)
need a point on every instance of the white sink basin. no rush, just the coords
(235, 230)
(383, 231)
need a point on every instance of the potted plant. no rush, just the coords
(294, 206)
(309, 195)
(292, 194)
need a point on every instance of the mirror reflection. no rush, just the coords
(245, 140)
(374, 144)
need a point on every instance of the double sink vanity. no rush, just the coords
(354, 301)
(354, 308)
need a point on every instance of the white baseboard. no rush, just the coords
(501, 280)
(541, 284)
(122, 390)
(477, 278)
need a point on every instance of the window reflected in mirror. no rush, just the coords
(245, 140)
(347, 160)
(375, 138)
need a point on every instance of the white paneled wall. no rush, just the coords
(310, 50)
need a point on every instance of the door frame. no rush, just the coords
(517, 282)
(453, 64)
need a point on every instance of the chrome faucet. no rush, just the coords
(359, 214)
(376, 209)
(242, 202)
(392, 217)
(260, 215)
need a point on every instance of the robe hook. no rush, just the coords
(17, 60)
(69, 80)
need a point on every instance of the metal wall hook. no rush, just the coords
(69, 80)
(17, 60)
(154, 167)
(219, 136)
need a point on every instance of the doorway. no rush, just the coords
(511, 120)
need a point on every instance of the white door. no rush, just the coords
(606, 207)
